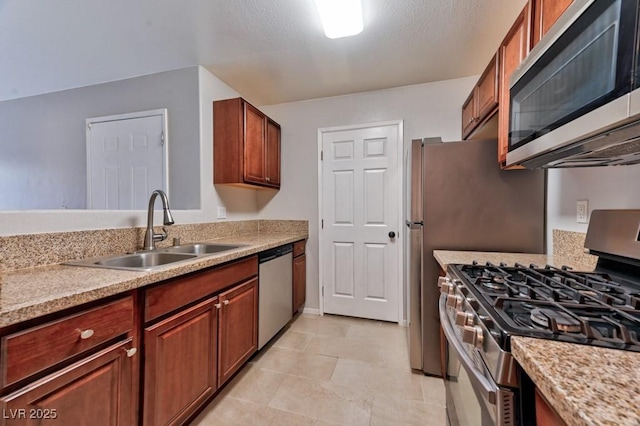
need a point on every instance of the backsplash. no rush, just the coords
(25, 251)
(571, 245)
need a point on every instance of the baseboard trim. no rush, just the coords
(311, 311)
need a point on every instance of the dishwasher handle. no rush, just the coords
(273, 253)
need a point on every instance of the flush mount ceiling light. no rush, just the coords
(340, 18)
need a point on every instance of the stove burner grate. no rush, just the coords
(564, 322)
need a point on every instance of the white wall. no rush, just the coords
(604, 188)
(241, 203)
(431, 109)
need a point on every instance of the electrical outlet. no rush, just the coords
(582, 211)
(222, 212)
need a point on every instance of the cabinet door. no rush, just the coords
(487, 90)
(95, 391)
(273, 153)
(545, 414)
(513, 50)
(254, 144)
(469, 115)
(237, 328)
(180, 364)
(545, 14)
(299, 282)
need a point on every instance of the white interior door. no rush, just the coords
(126, 160)
(361, 206)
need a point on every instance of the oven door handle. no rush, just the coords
(480, 382)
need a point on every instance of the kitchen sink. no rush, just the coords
(201, 248)
(150, 260)
(142, 261)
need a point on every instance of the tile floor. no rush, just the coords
(330, 370)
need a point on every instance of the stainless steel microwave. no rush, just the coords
(575, 99)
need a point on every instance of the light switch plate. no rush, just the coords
(222, 212)
(582, 211)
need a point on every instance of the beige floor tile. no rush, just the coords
(232, 411)
(342, 347)
(255, 384)
(378, 380)
(323, 400)
(394, 356)
(433, 391)
(305, 364)
(293, 339)
(320, 326)
(388, 411)
(387, 333)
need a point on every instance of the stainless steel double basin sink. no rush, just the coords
(152, 259)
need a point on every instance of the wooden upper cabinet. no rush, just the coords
(487, 90)
(513, 50)
(483, 100)
(273, 153)
(246, 145)
(545, 14)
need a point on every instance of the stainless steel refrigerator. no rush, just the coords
(460, 199)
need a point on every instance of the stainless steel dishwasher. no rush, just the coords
(275, 308)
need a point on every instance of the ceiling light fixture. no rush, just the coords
(340, 18)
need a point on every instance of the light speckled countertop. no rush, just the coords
(586, 385)
(29, 293)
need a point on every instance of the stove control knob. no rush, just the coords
(445, 284)
(464, 318)
(454, 302)
(472, 334)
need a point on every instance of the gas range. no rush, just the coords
(482, 306)
(594, 308)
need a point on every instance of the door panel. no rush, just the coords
(126, 162)
(360, 207)
(254, 139)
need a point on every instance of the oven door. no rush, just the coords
(473, 398)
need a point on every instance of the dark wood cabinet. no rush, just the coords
(237, 328)
(483, 100)
(180, 364)
(299, 275)
(98, 390)
(246, 145)
(513, 50)
(545, 414)
(545, 13)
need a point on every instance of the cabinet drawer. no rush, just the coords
(298, 248)
(176, 293)
(27, 352)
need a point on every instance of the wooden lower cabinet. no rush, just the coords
(180, 364)
(299, 282)
(96, 391)
(545, 415)
(237, 328)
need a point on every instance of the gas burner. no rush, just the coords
(495, 283)
(565, 322)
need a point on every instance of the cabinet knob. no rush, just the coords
(268, 179)
(85, 334)
(226, 302)
(130, 352)
(218, 305)
(471, 120)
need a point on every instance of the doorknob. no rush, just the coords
(392, 234)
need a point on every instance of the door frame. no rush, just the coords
(400, 202)
(128, 116)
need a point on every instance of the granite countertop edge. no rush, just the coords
(30, 293)
(603, 386)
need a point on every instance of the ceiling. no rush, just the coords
(270, 51)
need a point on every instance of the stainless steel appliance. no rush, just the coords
(482, 306)
(575, 100)
(275, 291)
(461, 200)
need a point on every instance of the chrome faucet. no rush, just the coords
(150, 237)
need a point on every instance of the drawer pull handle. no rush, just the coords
(226, 302)
(218, 305)
(85, 334)
(130, 352)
